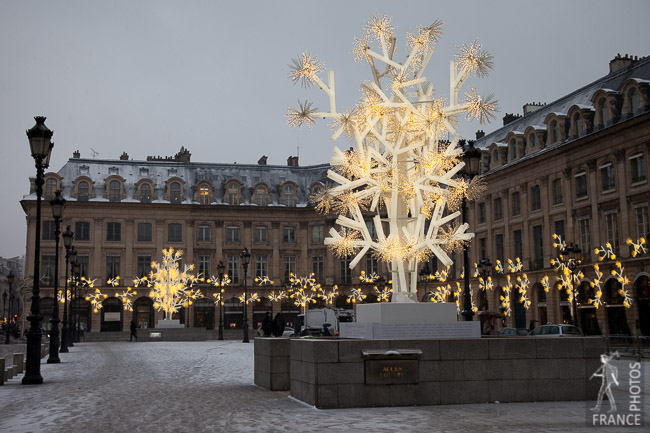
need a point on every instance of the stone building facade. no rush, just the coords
(577, 167)
(124, 212)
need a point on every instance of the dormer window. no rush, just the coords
(261, 195)
(554, 132)
(604, 116)
(513, 150)
(288, 193)
(145, 193)
(233, 193)
(634, 101)
(50, 188)
(577, 121)
(114, 191)
(83, 191)
(175, 192)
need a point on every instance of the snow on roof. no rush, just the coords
(639, 71)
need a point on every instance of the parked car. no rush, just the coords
(511, 332)
(553, 330)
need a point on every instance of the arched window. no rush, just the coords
(289, 195)
(634, 101)
(50, 188)
(204, 194)
(114, 191)
(145, 193)
(83, 191)
(604, 116)
(578, 124)
(554, 132)
(513, 150)
(261, 196)
(233, 194)
(532, 140)
(175, 192)
(496, 156)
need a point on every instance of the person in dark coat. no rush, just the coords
(133, 334)
(277, 328)
(266, 324)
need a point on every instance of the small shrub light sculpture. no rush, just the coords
(407, 158)
(170, 287)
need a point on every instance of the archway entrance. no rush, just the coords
(642, 287)
(290, 313)
(616, 317)
(204, 313)
(586, 312)
(79, 314)
(143, 313)
(233, 313)
(112, 315)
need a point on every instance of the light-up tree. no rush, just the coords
(170, 287)
(407, 158)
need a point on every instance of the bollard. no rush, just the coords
(19, 363)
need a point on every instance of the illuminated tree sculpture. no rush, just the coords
(170, 287)
(407, 159)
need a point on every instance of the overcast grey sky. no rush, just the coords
(148, 77)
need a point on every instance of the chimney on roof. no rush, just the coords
(262, 160)
(76, 154)
(480, 134)
(183, 155)
(510, 117)
(124, 156)
(532, 107)
(292, 161)
(620, 62)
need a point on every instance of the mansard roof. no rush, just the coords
(192, 173)
(638, 71)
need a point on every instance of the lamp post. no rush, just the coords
(4, 313)
(75, 271)
(73, 261)
(41, 145)
(471, 158)
(10, 281)
(220, 268)
(485, 272)
(245, 260)
(57, 204)
(571, 257)
(68, 235)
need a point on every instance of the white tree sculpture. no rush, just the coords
(407, 157)
(170, 287)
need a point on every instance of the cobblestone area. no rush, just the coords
(208, 387)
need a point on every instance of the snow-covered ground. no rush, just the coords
(208, 387)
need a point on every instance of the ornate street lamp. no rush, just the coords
(471, 158)
(68, 236)
(40, 143)
(4, 313)
(220, 268)
(73, 262)
(10, 281)
(57, 204)
(77, 289)
(245, 260)
(571, 257)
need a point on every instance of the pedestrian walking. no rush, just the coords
(133, 334)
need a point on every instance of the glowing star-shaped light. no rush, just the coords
(126, 298)
(356, 295)
(405, 166)
(96, 300)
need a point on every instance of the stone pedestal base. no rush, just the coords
(170, 323)
(408, 321)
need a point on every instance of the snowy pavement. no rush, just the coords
(208, 387)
